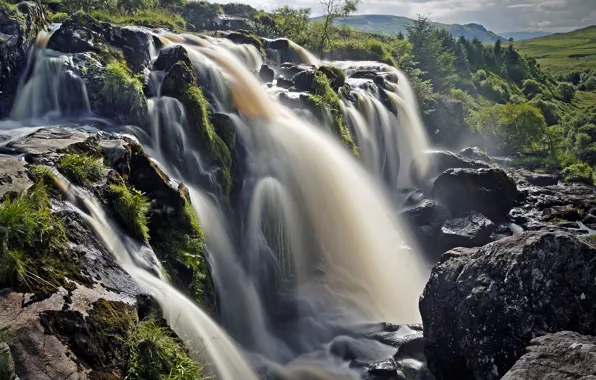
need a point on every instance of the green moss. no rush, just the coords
(325, 97)
(80, 169)
(123, 95)
(131, 208)
(199, 113)
(156, 353)
(181, 245)
(59, 17)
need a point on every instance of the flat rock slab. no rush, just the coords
(13, 176)
(46, 141)
(565, 355)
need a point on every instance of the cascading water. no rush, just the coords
(311, 250)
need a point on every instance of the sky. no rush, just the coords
(495, 15)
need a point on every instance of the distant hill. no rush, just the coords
(519, 36)
(561, 51)
(386, 24)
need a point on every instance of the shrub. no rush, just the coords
(590, 84)
(514, 127)
(156, 353)
(549, 110)
(59, 17)
(365, 50)
(480, 76)
(516, 99)
(80, 169)
(531, 88)
(578, 172)
(131, 207)
(567, 91)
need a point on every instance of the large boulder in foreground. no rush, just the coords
(488, 191)
(564, 355)
(483, 306)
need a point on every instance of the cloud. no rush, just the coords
(540, 24)
(514, 6)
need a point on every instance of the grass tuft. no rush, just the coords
(80, 169)
(123, 94)
(131, 207)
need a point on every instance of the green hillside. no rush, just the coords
(563, 51)
(392, 25)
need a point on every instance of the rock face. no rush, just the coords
(469, 230)
(425, 221)
(19, 25)
(266, 74)
(483, 306)
(564, 355)
(438, 162)
(169, 56)
(488, 191)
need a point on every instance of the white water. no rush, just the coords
(312, 247)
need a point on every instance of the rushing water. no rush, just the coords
(311, 249)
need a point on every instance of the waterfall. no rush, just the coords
(311, 248)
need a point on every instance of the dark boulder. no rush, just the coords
(279, 44)
(488, 191)
(438, 162)
(470, 230)
(425, 221)
(364, 74)
(303, 81)
(19, 27)
(564, 355)
(537, 179)
(483, 306)
(245, 37)
(169, 56)
(475, 153)
(284, 83)
(266, 74)
(177, 80)
(288, 69)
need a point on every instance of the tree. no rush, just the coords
(333, 9)
(291, 23)
(567, 91)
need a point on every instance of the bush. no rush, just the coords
(480, 76)
(578, 172)
(514, 127)
(567, 91)
(549, 110)
(59, 17)
(156, 353)
(80, 169)
(531, 88)
(590, 84)
(365, 50)
(131, 207)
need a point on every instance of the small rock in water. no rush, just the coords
(386, 369)
(266, 74)
(284, 83)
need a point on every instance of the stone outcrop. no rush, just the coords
(483, 306)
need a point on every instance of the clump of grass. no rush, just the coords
(59, 17)
(152, 18)
(578, 172)
(123, 95)
(156, 353)
(80, 169)
(131, 207)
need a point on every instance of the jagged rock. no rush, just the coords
(438, 162)
(564, 355)
(284, 83)
(279, 44)
(7, 370)
(303, 81)
(482, 306)
(470, 230)
(288, 69)
(169, 56)
(177, 80)
(425, 220)
(386, 369)
(475, 153)
(336, 76)
(364, 74)
(488, 191)
(13, 176)
(266, 74)
(19, 26)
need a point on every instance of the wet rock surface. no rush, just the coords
(483, 306)
(438, 162)
(564, 355)
(468, 230)
(488, 191)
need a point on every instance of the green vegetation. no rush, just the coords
(59, 17)
(156, 353)
(131, 208)
(123, 95)
(80, 168)
(325, 98)
(152, 18)
(579, 172)
(561, 52)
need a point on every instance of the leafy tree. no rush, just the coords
(531, 88)
(333, 9)
(291, 23)
(567, 91)
(514, 127)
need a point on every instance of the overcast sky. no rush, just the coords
(496, 15)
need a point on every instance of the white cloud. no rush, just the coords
(514, 6)
(540, 24)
